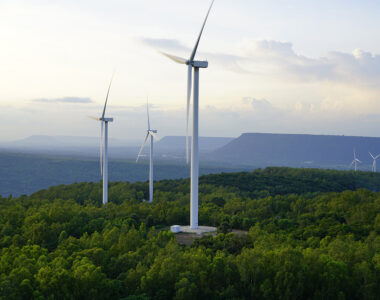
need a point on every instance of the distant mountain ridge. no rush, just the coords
(297, 149)
(249, 149)
(28, 173)
(168, 147)
(165, 143)
(62, 141)
(179, 143)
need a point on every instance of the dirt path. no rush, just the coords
(186, 239)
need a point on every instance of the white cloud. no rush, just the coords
(259, 105)
(276, 58)
(358, 67)
(65, 100)
(171, 44)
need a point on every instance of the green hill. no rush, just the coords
(311, 234)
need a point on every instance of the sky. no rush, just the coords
(274, 66)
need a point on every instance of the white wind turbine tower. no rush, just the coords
(152, 134)
(374, 161)
(194, 176)
(104, 146)
(355, 161)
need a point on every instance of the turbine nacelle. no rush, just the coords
(106, 119)
(199, 64)
(180, 60)
(152, 131)
(101, 119)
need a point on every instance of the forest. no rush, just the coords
(307, 234)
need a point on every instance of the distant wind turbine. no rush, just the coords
(152, 134)
(355, 161)
(104, 145)
(374, 161)
(191, 63)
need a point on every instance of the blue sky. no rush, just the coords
(274, 66)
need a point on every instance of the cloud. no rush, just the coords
(333, 85)
(65, 100)
(276, 58)
(259, 105)
(171, 44)
(356, 67)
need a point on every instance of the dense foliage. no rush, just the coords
(305, 241)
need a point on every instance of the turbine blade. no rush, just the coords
(101, 147)
(142, 147)
(94, 118)
(377, 156)
(189, 86)
(108, 92)
(147, 112)
(358, 160)
(371, 155)
(177, 59)
(192, 56)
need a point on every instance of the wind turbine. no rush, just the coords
(355, 161)
(374, 161)
(194, 174)
(152, 134)
(104, 145)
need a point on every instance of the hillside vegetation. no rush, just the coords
(311, 234)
